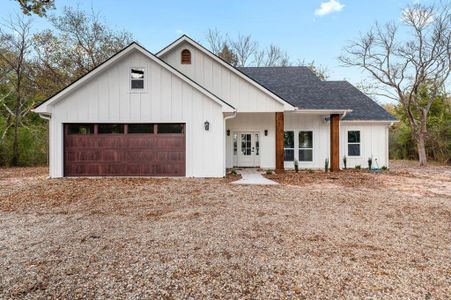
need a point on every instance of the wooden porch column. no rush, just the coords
(279, 141)
(334, 142)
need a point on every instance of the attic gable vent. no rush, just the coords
(186, 57)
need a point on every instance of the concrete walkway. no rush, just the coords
(252, 176)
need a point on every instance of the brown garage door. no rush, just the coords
(124, 150)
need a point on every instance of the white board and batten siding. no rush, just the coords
(373, 136)
(107, 98)
(221, 81)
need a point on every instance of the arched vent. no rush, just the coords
(186, 57)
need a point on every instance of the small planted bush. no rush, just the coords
(296, 166)
(345, 162)
(384, 168)
(326, 165)
(370, 163)
(310, 171)
(269, 172)
(358, 167)
(234, 172)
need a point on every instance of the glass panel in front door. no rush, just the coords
(246, 144)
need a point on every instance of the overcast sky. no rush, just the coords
(307, 29)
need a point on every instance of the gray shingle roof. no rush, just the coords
(301, 87)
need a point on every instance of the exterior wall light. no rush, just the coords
(266, 132)
(207, 125)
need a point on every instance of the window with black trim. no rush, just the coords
(111, 128)
(170, 128)
(137, 78)
(80, 128)
(305, 146)
(140, 128)
(354, 143)
(185, 57)
(288, 145)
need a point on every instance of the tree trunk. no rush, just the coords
(422, 158)
(15, 154)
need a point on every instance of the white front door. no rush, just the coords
(248, 149)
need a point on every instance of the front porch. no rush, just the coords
(275, 140)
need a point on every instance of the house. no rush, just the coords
(186, 112)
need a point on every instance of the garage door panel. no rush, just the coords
(82, 155)
(81, 141)
(111, 141)
(142, 154)
(112, 155)
(141, 141)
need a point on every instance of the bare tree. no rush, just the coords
(15, 46)
(93, 42)
(228, 55)
(80, 42)
(319, 70)
(403, 68)
(243, 47)
(275, 56)
(38, 7)
(216, 40)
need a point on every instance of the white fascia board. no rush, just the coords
(321, 111)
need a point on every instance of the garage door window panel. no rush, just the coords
(111, 128)
(170, 128)
(140, 128)
(80, 129)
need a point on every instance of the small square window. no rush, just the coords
(137, 78)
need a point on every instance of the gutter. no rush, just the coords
(44, 116)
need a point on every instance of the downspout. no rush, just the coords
(224, 161)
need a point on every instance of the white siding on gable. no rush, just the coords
(222, 82)
(107, 98)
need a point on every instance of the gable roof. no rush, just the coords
(303, 88)
(237, 71)
(134, 46)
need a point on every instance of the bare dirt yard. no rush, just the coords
(316, 235)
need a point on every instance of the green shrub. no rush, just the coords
(269, 172)
(384, 168)
(345, 162)
(296, 166)
(326, 165)
(358, 167)
(234, 172)
(370, 163)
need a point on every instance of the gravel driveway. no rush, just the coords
(194, 238)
